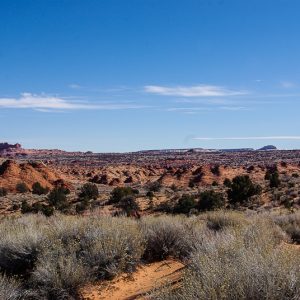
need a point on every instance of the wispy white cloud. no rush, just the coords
(75, 86)
(233, 108)
(287, 84)
(192, 91)
(247, 138)
(188, 109)
(46, 103)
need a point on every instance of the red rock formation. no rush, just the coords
(12, 173)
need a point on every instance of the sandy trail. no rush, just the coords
(136, 285)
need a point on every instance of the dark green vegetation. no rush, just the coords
(21, 187)
(228, 255)
(120, 192)
(241, 189)
(3, 192)
(38, 189)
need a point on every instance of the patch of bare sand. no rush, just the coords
(136, 285)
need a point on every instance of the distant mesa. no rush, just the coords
(7, 146)
(268, 148)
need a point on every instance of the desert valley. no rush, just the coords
(149, 150)
(157, 211)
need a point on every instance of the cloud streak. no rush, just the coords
(247, 138)
(192, 91)
(48, 103)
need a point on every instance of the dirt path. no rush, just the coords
(136, 285)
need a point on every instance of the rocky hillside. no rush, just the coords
(12, 173)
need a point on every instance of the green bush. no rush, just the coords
(120, 192)
(89, 191)
(274, 180)
(128, 205)
(82, 205)
(185, 204)
(210, 200)
(21, 187)
(25, 207)
(150, 195)
(38, 189)
(227, 182)
(3, 192)
(155, 186)
(215, 170)
(241, 189)
(57, 198)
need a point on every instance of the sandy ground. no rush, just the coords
(136, 285)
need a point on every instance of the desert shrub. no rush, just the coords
(214, 183)
(221, 220)
(57, 198)
(36, 207)
(240, 264)
(210, 200)
(274, 179)
(215, 170)
(59, 272)
(47, 210)
(111, 246)
(165, 236)
(185, 204)
(106, 246)
(241, 189)
(251, 275)
(119, 192)
(191, 183)
(128, 205)
(290, 224)
(82, 205)
(165, 207)
(250, 169)
(38, 189)
(227, 182)
(262, 233)
(15, 207)
(89, 191)
(150, 195)
(21, 187)
(25, 207)
(19, 243)
(3, 192)
(174, 188)
(155, 186)
(10, 289)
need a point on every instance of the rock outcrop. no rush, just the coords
(12, 173)
(7, 147)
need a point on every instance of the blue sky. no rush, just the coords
(124, 75)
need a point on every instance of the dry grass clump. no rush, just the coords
(79, 249)
(241, 263)
(165, 236)
(19, 242)
(57, 255)
(229, 255)
(10, 289)
(290, 224)
(58, 273)
(222, 219)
